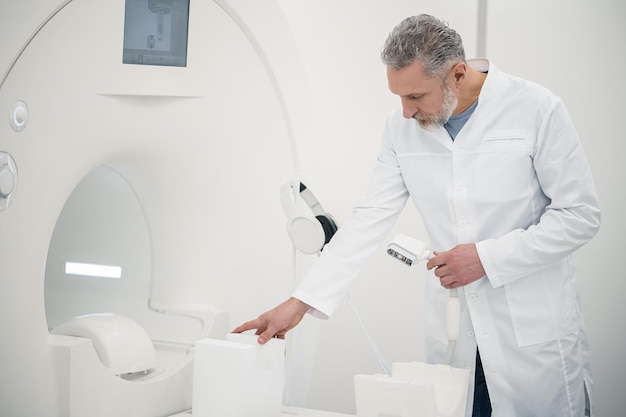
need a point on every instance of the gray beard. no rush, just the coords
(431, 123)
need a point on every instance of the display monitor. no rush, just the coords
(155, 32)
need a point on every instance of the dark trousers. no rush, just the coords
(482, 404)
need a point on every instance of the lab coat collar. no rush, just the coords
(440, 134)
(493, 74)
(481, 65)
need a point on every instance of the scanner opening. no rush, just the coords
(103, 224)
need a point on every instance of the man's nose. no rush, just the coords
(409, 111)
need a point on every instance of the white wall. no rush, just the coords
(573, 48)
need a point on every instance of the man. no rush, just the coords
(496, 170)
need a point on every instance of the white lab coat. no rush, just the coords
(516, 182)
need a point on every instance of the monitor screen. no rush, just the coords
(155, 32)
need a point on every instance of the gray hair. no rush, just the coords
(427, 39)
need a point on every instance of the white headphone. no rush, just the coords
(308, 233)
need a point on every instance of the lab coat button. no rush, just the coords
(470, 333)
(473, 296)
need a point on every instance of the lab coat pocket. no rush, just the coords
(507, 139)
(542, 305)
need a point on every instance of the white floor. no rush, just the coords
(290, 412)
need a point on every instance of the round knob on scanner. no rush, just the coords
(8, 179)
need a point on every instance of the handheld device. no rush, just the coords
(409, 251)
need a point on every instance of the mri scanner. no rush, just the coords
(125, 199)
(140, 166)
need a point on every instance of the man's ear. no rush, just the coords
(458, 73)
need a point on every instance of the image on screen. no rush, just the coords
(155, 32)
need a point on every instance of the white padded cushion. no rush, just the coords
(122, 344)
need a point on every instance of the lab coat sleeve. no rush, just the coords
(358, 238)
(571, 218)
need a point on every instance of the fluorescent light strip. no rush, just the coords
(93, 270)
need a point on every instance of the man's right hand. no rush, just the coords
(277, 321)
